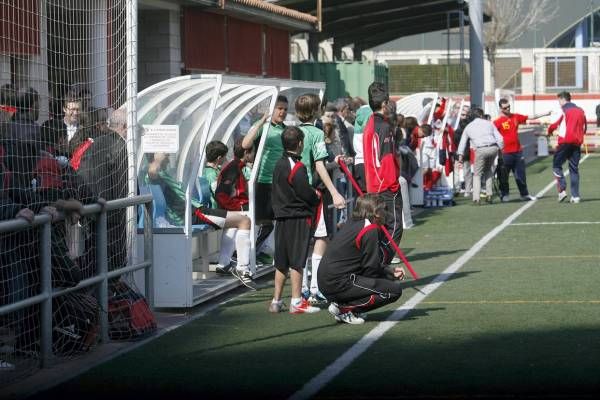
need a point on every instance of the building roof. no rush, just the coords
(369, 23)
(261, 11)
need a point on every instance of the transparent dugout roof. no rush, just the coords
(210, 107)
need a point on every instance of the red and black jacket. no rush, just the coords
(382, 168)
(355, 251)
(292, 195)
(232, 189)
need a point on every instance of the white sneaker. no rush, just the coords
(561, 196)
(333, 309)
(349, 318)
(303, 308)
(528, 198)
(575, 200)
(505, 199)
(408, 226)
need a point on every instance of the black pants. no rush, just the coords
(366, 293)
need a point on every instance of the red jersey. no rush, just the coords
(571, 125)
(382, 169)
(508, 126)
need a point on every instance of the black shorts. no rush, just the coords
(292, 239)
(262, 200)
(214, 217)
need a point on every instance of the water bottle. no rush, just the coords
(34, 184)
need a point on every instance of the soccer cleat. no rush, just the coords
(528, 198)
(244, 277)
(303, 308)
(575, 200)
(505, 198)
(561, 196)
(349, 318)
(277, 307)
(316, 299)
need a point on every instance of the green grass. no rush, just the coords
(520, 318)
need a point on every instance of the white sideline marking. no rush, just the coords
(312, 387)
(556, 223)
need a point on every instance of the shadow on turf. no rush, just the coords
(433, 254)
(425, 280)
(410, 316)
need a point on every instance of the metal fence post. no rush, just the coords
(148, 254)
(102, 270)
(46, 290)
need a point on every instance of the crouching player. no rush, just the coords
(294, 203)
(351, 274)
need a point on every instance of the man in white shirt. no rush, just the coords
(72, 110)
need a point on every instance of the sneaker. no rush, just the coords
(333, 309)
(505, 198)
(396, 260)
(277, 307)
(489, 199)
(264, 259)
(349, 318)
(561, 196)
(244, 277)
(303, 308)
(528, 198)
(6, 366)
(409, 226)
(223, 269)
(575, 200)
(316, 299)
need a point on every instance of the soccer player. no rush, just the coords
(572, 125)
(294, 201)
(382, 164)
(351, 273)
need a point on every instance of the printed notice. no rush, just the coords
(160, 139)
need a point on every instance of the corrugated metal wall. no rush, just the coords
(213, 42)
(342, 79)
(19, 27)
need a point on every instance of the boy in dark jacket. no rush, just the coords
(294, 201)
(351, 274)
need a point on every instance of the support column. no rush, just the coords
(527, 69)
(357, 53)
(313, 47)
(476, 52)
(337, 52)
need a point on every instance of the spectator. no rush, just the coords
(465, 167)
(352, 276)
(572, 125)
(486, 140)
(23, 125)
(294, 201)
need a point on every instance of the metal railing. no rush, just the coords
(47, 293)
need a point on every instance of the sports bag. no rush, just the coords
(129, 315)
(75, 323)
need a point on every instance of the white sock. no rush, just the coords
(305, 278)
(227, 246)
(315, 261)
(242, 245)
(276, 301)
(296, 300)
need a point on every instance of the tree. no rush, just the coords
(509, 20)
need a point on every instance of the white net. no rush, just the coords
(62, 137)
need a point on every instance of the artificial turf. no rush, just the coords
(519, 318)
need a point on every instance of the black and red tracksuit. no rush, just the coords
(351, 273)
(232, 188)
(382, 170)
(292, 195)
